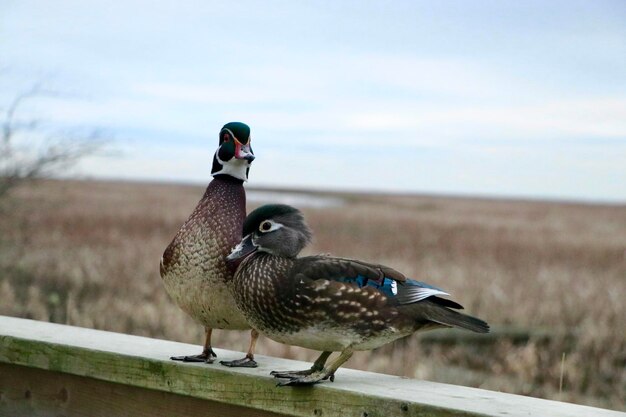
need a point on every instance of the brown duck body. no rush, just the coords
(328, 303)
(193, 267)
(284, 299)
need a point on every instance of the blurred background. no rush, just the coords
(479, 146)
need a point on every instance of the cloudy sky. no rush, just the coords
(502, 98)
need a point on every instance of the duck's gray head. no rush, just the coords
(234, 155)
(278, 229)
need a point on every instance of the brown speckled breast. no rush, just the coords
(194, 268)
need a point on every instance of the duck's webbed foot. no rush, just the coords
(245, 362)
(292, 374)
(310, 379)
(318, 365)
(248, 361)
(207, 356)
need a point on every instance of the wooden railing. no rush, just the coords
(55, 370)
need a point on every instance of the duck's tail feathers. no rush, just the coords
(430, 314)
(447, 317)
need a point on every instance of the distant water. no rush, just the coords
(293, 199)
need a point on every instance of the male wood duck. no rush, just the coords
(194, 267)
(328, 303)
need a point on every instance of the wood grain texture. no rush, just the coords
(40, 393)
(132, 361)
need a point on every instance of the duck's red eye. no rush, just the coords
(226, 137)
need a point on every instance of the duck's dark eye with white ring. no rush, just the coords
(265, 226)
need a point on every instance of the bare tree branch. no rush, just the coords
(21, 160)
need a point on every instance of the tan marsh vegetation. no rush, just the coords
(550, 277)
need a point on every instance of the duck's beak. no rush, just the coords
(243, 249)
(243, 151)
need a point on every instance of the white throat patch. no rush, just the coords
(237, 168)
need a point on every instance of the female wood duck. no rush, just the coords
(327, 303)
(194, 267)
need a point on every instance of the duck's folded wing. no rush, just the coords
(393, 284)
(413, 291)
(342, 269)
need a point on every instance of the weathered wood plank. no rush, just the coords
(143, 363)
(38, 393)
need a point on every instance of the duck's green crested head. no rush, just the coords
(278, 229)
(234, 155)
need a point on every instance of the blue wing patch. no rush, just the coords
(408, 292)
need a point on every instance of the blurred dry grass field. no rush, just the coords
(87, 254)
